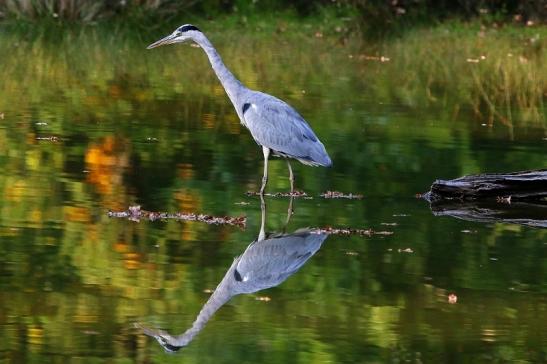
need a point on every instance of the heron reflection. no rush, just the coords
(266, 262)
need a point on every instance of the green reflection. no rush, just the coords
(96, 124)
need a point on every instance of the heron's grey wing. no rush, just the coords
(269, 262)
(276, 125)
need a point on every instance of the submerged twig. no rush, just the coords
(295, 193)
(52, 138)
(135, 213)
(349, 231)
(336, 194)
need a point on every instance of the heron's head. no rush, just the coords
(166, 342)
(181, 34)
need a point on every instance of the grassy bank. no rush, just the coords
(499, 73)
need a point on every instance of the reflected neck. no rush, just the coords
(219, 297)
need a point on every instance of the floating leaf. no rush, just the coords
(336, 194)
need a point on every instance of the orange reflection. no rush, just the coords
(186, 171)
(106, 163)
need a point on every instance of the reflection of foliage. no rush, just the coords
(156, 129)
(106, 163)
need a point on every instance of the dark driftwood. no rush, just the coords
(519, 197)
(528, 186)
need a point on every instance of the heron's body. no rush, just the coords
(274, 124)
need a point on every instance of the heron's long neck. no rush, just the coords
(228, 80)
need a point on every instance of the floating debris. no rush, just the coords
(48, 138)
(295, 193)
(406, 250)
(452, 298)
(504, 199)
(242, 203)
(90, 332)
(389, 223)
(135, 213)
(1, 116)
(467, 231)
(374, 58)
(383, 232)
(336, 194)
(349, 231)
(263, 298)
(41, 123)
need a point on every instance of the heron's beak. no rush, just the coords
(167, 40)
(148, 331)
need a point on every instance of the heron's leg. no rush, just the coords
(262, 234)
(291, 176)
(266, 152)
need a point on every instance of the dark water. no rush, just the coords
(98, 126)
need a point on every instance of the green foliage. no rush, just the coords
(372, 18)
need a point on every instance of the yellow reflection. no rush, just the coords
(209, 121)
(77, 213)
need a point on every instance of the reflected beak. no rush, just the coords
(167, 40)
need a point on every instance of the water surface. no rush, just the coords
(101, 126)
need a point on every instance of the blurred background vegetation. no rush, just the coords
(370, 17)
(495, 47)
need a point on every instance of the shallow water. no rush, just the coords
(95, 127)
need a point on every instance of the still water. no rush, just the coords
(89, 125)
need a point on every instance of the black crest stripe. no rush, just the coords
(186, 28)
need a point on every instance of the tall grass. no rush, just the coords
(495, 72)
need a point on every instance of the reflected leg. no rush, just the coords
(290, 211)
(291, 176)
(262, 233)
(266, 152)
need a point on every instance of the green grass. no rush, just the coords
(497, 72)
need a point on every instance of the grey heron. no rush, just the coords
(267, 262)
(273, 123)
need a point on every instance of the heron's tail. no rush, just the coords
(318, 156)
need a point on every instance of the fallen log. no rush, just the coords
(530, 186)
(517, 197)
